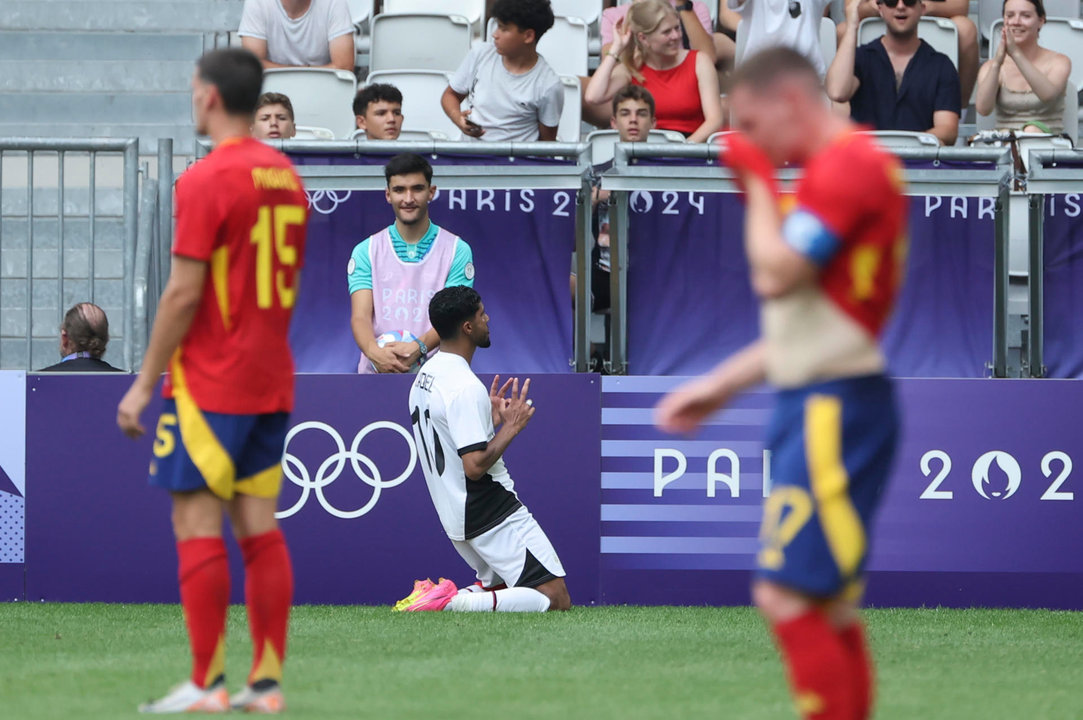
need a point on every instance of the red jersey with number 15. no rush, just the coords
(242, 210)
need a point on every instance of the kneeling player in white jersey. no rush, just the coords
(455, 426)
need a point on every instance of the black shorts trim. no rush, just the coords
(473, 448)
(534, 573)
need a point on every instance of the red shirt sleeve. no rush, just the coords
(199, 217)
(838, 189)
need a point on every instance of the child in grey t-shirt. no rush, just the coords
(512, 93)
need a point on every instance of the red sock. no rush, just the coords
(861, 664)
(204, 591)
(819, 667)
(268, 591)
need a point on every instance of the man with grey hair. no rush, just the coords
(83, 337)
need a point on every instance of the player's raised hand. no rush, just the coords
(519, 409)
(747, 160)
(130, 408)
(498, 400)
(685, 409)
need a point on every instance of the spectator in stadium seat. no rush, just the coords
(788, 23)
(696, 30)
(633, 118)
(1024, 83)
(647, 51)
(299, 33)
(83, 337)
(956, 11)
(896, 82)
(377, 110)
(393, 274)
(274, 118)
(512, 93)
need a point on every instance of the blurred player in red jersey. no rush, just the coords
(222, 329)
(828, 271)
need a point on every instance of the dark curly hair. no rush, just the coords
(450, 308)
(536, 15)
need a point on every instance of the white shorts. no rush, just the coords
(515, 553)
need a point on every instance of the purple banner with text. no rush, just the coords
(354, 506)
(982, 502)
(522, 242)
(690, 302)
(982, 507)
(1063, 286)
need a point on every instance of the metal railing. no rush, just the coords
(975, 172)
(148, 229)
(574, 174)
(1045, 176)
(32, 209)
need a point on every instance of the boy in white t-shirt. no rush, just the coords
(513, 95)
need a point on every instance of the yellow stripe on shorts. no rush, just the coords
(841, 524)
(264, 484)
(202, 445)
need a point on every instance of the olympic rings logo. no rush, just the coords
(326, 202)
(331, 468)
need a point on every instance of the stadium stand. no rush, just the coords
(409, 135)
(990, 12)
(421, 91)
(894, 139)
(1061, 34)
(1071, 115)
(361, 12)
(419, 41)
(590, 12)
(604, 142)
(566, 46)
(309, 132)
(114, 68)
(472, 10)
(941, 33)
(828, 40)
(571, 123)
(711, 5)
(321, 97)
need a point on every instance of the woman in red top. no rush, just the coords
(647, 51)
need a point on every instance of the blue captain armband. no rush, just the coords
(808, 235)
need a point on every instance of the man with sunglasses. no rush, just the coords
(896, 82)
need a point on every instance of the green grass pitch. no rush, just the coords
(99, 661)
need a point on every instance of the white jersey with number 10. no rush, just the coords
(452, 415)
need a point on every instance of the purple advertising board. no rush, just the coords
(1063, 286)
(12, 484)
(522, 242)
(690, 300)
(354, 505)
(982, 506)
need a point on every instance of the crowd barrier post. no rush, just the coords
(584, 235)
(1036, 288)
(1000, 282)
(1050, 172)
(618, 283)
